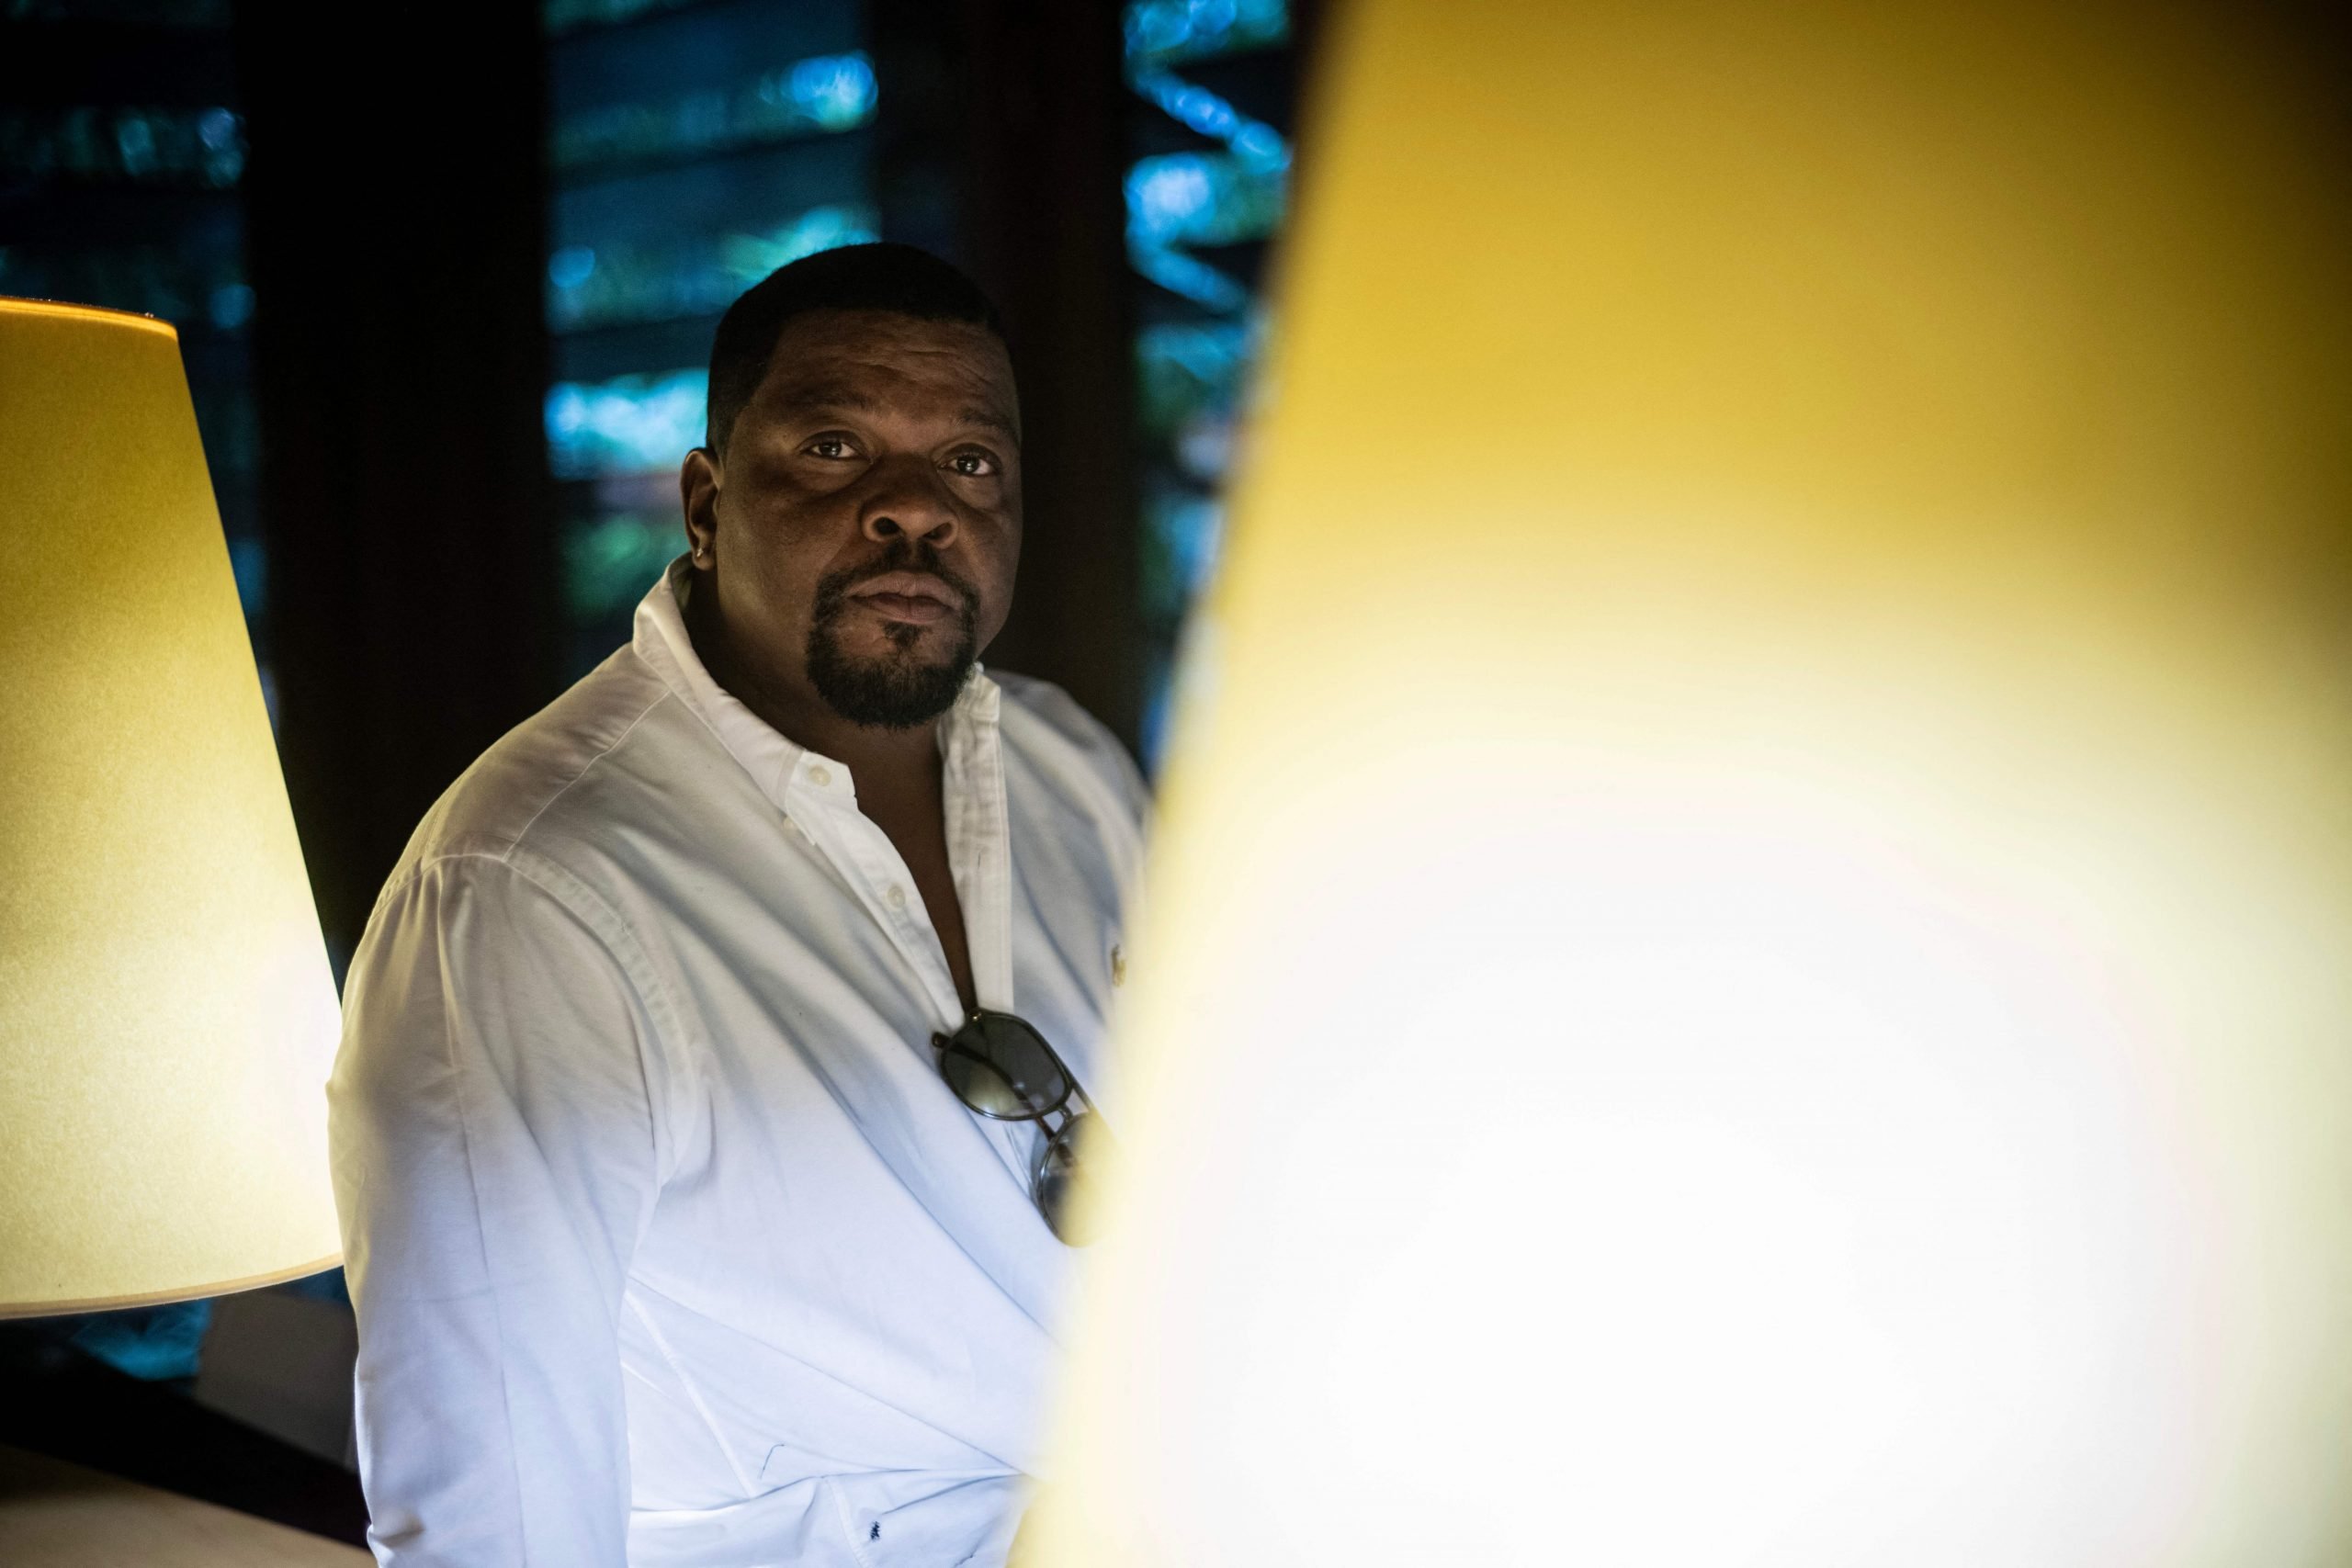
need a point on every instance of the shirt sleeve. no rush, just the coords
(493, 1145)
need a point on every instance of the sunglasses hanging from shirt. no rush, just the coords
(1001, 1067)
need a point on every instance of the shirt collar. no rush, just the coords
(660, 638)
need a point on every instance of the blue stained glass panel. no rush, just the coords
(827, 93)
(193, 277)
(628, 281)
(568, 16)
(126, 144)
(1182, 532)
(1197, 219)
(609, 563)
(1189, 368)
(153, 1344)
(1201, 198)
(1164, 32)
(630, 424)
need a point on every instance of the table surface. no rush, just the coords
(55, 1515)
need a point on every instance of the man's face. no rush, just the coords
(862, 534)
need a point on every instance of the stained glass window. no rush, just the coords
(129, 199)
(1214, 85)
(696, 146)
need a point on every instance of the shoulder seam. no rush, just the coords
(508, 842)
(629, 952)
(523, 832)
(621, 944)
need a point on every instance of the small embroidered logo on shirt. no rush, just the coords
(875, 1533)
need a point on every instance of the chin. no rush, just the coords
(908, 682)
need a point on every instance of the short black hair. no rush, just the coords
(851, 278)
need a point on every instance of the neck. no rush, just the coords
(884, 760)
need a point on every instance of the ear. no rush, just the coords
(698, 480)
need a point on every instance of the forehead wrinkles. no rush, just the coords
(880, 364)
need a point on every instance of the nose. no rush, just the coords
(907, 499)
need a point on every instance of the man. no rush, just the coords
(673, 1235)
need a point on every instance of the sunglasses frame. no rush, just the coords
(1057, 1136)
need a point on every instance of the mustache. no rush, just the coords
(833, 589)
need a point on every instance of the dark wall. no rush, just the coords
(396, 245)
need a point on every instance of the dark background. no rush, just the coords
(446, 276)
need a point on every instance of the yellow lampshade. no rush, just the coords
(167, 1018)
(1751, 947)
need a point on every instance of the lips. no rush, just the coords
(912, 596)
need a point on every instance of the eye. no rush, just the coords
(973, 463)
(832, 449)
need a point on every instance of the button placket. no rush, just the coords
(871, 865)
(978, 832)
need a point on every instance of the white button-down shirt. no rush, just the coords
(669, 1243)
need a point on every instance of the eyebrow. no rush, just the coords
(988, 421)
(841, 395)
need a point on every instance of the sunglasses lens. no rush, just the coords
(978, 1084)
(999, 1066)
(1054, 1181)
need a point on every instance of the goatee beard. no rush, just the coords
(898, 690)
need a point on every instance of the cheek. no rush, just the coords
(996, 603)
(1003, 564)
(770, 571)
(793, 534)
(1008, 538)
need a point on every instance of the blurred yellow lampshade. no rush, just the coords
(1751, 947)
(167, 1018)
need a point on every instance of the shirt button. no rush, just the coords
(820, 775)
(896, 897)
